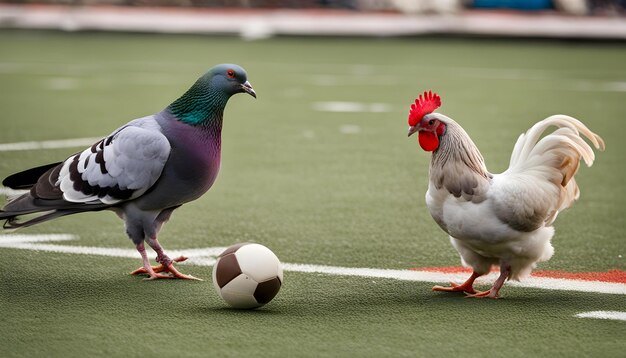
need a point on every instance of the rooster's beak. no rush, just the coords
(412, 130)
(247, 87)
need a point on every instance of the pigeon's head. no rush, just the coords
(229, 78)
(205, 101)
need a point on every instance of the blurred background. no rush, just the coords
(318, 168)
(577, 7)
(597, 19)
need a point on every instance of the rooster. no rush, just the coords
(500, 219)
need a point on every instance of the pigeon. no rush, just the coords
(143, 171)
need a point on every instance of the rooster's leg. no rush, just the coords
(165, 264)
(467, 286)
(494, 291)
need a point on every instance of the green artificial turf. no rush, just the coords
(84, 306)
(291, 180)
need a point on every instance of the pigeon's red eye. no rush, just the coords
(230, 73)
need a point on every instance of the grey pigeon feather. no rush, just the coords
(143, 171)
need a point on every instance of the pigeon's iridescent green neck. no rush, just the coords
(200, 105)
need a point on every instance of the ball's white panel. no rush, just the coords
(280, 272)
(239, 292)
(259, 262)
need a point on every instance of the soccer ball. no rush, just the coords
(247, 275)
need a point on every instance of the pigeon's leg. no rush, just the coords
(467, 286)
(157, 269)
(166, 264)
(153, 272)
(494, 291)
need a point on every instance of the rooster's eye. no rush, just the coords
(431, 122)
(230, 73)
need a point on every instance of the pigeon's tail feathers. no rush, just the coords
(12, 197)
(44, 210)
(28, 178)
(22, 204)
(12, 223)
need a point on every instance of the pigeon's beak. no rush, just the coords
(413, 129)
(247, 87)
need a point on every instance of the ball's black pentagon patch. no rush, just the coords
(266, 290)
(227, 269)
(233, 248)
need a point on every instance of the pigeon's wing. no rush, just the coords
(119, 167)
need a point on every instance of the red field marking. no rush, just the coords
(614, 275)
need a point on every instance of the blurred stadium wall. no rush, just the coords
(258, 19)
(576, 7)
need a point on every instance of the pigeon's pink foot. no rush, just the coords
(154, 272)
(177, 274)
(467, 286)
(158, 268)
(165, 264)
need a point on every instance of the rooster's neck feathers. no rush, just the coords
(458, 166)
(457, 146)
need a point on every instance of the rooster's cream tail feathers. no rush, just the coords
(556, 156)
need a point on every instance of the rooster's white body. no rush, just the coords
(504, 219)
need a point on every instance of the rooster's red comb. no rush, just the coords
(424, 104)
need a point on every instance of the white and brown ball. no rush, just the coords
(247, 275)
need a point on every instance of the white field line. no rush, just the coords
(207, 257)
(49, 144)
(354, 107)
(613, 315)
(8, 240)
(34, 242)
(349, 129)
(329, 70)
(9, 191)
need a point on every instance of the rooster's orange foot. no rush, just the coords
(455, 287)
(484, 294)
